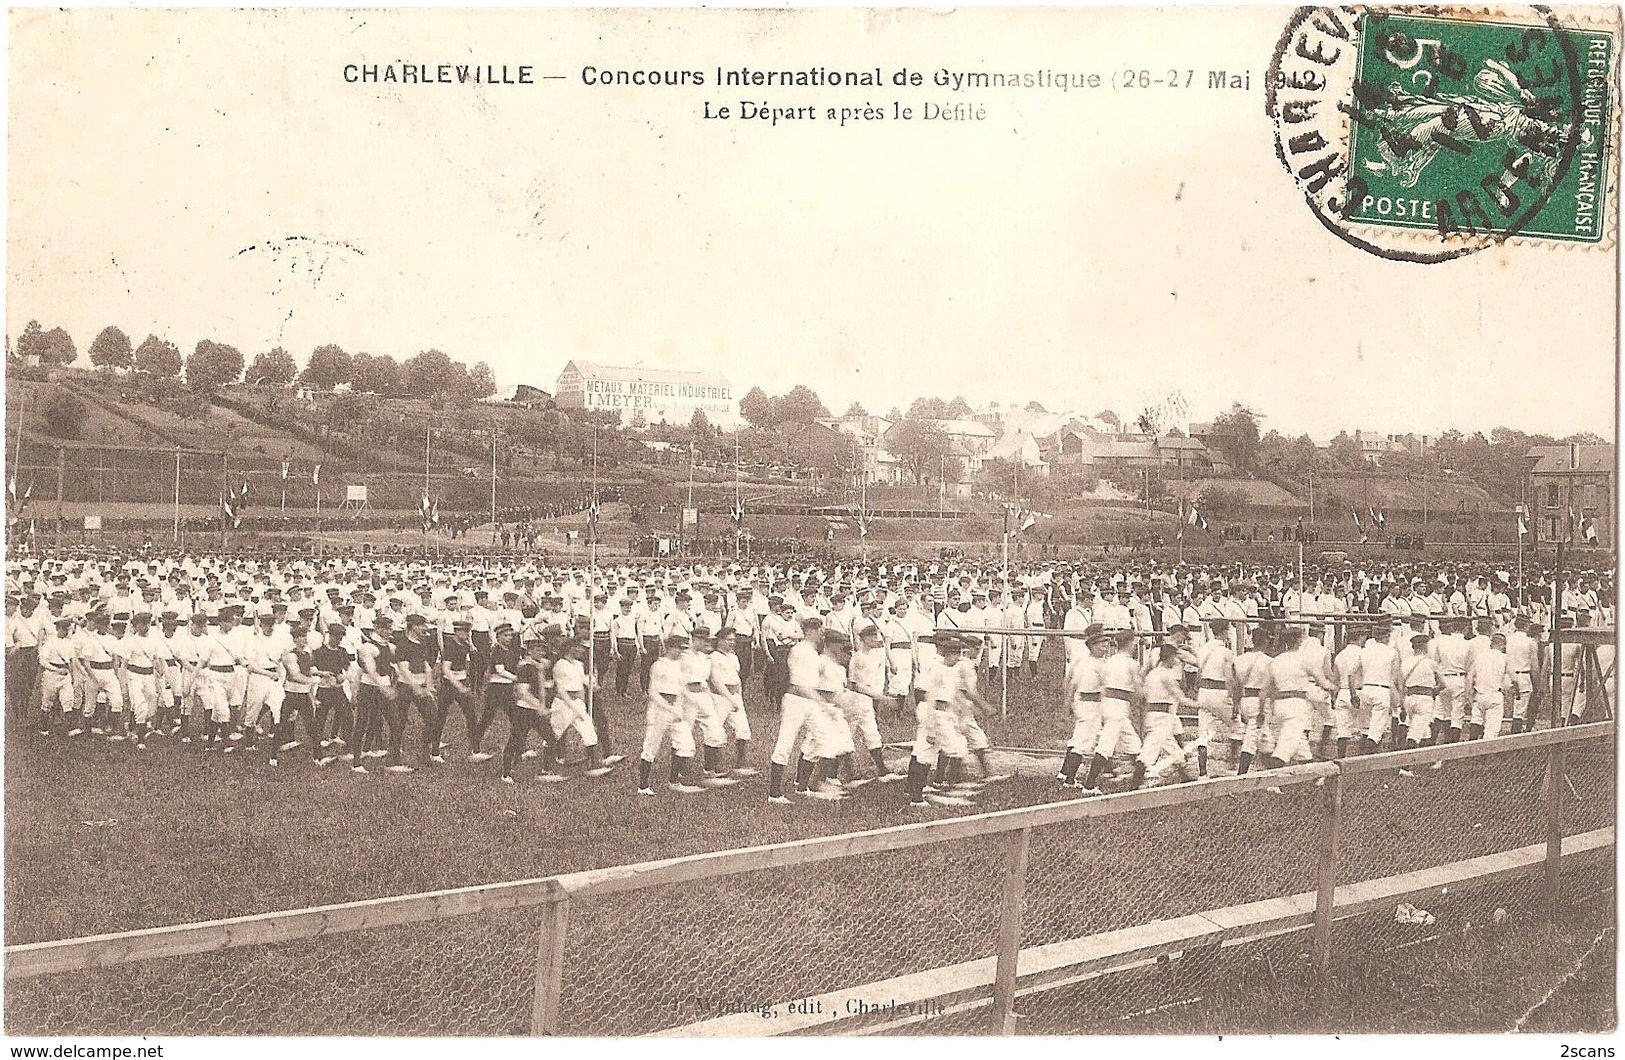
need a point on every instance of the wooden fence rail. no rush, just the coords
(554, 894)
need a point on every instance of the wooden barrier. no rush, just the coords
(1059, 964)
(1010, 972)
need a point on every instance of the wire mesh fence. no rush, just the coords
(1108, 874)
(766, 942)
(1467, 971)
(465, 975)
(1202, 909)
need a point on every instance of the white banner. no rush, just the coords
(691, 517)
(93, 522)
(355, 493)
(665, 546)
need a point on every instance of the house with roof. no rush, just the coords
(1581, 479)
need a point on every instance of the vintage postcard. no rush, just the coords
(724, 523)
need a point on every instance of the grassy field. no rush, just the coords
(100, 838)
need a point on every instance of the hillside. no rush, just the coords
(122, 465)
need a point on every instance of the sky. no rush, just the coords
(210, 174)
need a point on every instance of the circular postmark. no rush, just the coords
(1423, 135)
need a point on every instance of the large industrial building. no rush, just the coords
(647, 395)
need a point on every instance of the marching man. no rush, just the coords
(665, 721)
(727, 686)
(1218, 691)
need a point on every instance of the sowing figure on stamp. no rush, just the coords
(1501, 111)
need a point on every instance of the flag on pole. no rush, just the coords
(231, 509)
(1588, 529)
(1196, 518)
(738, 513)
(434, 512)
(284, 469)
(1028, 520)
(424, 512)
(1378, 520)
(316, 475)
(592, 512)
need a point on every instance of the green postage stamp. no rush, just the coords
(1424, 135)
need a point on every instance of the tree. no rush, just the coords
(929, 409)
(328, 367)
(1235, 435)
(111, 349)
(274, 367)
(895, 414)
(959, 409)
(58, 348)
(1225, 502)
(1343, 452)
(481, 380)
(856, 409)
(213, 364)
(376, 374)
(158, 357)
(65, 415)
(432, 374)
(698, 424)
(1033, 406)
(31, 343)
(801, 405)
(757, 408)
(920, 444)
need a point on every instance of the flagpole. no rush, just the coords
(224, 493)
(17, 446)
(682, 518)
(493, 485)
(284, 486)
(423, 515)
(1518, 516)
(1179, 534)
(739, 523)
(593, 520)
(1004, 664)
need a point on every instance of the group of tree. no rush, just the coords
(937, 409)
(924, 449)
(798, 405)
(431, 374)
(50, 348)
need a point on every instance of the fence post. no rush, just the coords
(1331, 806)
(555, 920)
(1009, 942)
(1554, 827)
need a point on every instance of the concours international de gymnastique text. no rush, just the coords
(404, 73)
